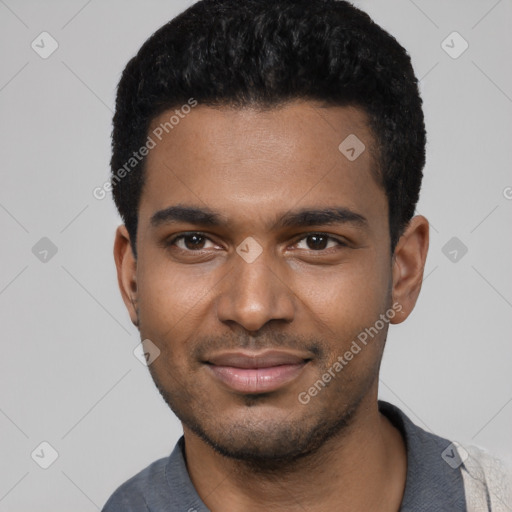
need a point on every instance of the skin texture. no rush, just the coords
(307, 296)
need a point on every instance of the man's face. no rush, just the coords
(303, 286)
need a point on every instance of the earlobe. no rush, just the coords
(126, 266)
(409, 265)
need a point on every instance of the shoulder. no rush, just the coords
(130, 496)
(486, 479)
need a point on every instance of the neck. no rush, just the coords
(363, 468)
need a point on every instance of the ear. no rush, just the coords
(408, 266)
(126, 265)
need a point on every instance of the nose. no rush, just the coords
(254, 294)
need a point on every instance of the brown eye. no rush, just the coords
(194, 241)
(318, 242)
(191, 242)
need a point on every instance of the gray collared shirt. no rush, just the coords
(432, 485)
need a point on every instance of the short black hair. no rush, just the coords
(265, 53)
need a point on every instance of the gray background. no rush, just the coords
(68, 373)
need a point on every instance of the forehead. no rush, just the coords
(243, 161)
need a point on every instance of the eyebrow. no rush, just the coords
(189, 214)
(297, 218)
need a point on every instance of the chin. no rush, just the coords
(270, 443)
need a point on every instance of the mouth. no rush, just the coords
(254, 373)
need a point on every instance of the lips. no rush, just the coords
(254, 373)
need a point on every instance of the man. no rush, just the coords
(267, 161)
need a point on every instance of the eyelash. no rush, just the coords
(171, 242)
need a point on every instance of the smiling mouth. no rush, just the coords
(254, 373)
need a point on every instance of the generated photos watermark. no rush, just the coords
(357, 345)
(151, 142)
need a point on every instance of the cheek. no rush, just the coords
(170, 311)
(344, 303)
(171, 301)
(347, 296)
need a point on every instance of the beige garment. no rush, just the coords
(487, 481)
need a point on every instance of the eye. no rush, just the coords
(191, 242)
(318, 242)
